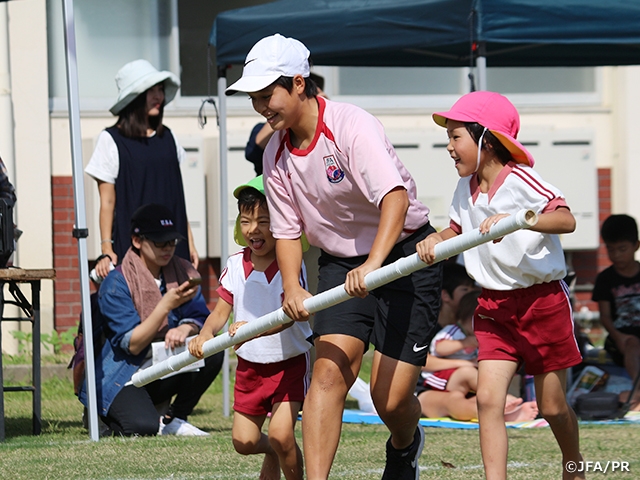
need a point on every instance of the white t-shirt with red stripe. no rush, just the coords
(452, 332)
(332, 190)
(439, 380)
(523, 258)
(254, 294)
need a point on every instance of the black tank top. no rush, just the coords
(149, 173)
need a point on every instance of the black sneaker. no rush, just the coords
(403, 464)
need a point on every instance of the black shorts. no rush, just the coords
(397, 318)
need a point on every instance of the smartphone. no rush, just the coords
(195, 281)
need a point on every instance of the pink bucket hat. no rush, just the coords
(496, 113)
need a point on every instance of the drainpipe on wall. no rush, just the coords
(7, 151)
(7, 145)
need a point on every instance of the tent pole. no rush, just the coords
(224, 215)
(80, 231)
(481, 67)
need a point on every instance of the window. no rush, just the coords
(399, 81)
(174, 34)
(108, 35)
(195, 19)
(171, 34)
(453, 81)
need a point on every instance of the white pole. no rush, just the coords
(481, 67)
(224, 215)
(80, 230)
(375, 279)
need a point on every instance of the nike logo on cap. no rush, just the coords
(249, 61)
(416, 348)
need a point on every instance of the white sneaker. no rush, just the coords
(177, 426)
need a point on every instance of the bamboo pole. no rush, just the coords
(400, 268)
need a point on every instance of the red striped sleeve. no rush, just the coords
(225, 294)
(534, 183)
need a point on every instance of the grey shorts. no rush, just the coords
(397, 318)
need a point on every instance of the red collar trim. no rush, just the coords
(319, 129)
(474, 186)
(247, 266)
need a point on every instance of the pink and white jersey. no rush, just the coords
(522, 258)
(332, 190)
(254, 294)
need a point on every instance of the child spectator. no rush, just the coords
(273, 369)
(524, 311)
(456, 283)
(617, 291)
(457, 342)
(330, 170)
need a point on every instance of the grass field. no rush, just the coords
(64, 450)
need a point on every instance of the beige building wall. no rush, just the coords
(42, 143)
(28, 62)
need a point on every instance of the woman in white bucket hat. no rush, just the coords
(137, 161)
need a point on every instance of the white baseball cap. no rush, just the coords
(269, 59)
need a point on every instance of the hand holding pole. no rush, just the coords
(386, 274)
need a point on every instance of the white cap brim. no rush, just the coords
(252, 83)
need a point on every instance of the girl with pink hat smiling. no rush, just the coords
(524, 313)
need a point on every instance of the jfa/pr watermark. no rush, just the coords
(602, 467)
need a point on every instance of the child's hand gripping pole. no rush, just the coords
(375, 279)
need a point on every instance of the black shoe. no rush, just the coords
(403, 464)
(103, 429)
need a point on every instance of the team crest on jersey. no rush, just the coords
(334, 172)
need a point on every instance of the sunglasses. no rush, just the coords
(168, 243)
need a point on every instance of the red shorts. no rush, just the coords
(438, 380)
(532, 325)
(259, 386)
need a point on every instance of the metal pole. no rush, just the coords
(481, 66)
(80, 230)
(375, 279)
(224, 215)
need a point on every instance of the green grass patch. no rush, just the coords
(64, 450)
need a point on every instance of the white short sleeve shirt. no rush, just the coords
(254, 294)
(523, 258)
(104, 164)
(452, 332)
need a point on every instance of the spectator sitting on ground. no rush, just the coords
(456, 283)
(146, 299)
(445, 393)
(617, 291)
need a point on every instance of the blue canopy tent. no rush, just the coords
(438, 33)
